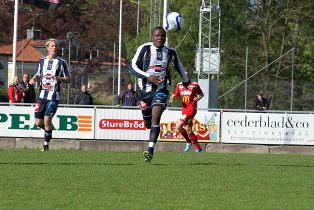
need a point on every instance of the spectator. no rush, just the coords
(129, 97)
(83, 97)
(261, 102)
(14, 91)
(28, 91)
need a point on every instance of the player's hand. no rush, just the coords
(196, 99)
(155, 79)
(31, 82)
(55, 77)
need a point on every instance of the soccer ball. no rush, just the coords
(174, 21)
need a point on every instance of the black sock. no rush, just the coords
(153, 136)
(151, 149)
(154, 133)
(48, 136)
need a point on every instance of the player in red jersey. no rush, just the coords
(190, 95)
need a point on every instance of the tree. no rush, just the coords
(184, 40)
(268, 28)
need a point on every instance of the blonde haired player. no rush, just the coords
(51, 71)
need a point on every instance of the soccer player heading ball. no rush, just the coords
(190, 94)
(151, 65)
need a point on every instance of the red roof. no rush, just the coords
(29, 54)
(33, 49)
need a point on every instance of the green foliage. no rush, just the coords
(106, 180)
(269, 29)
(184, 40)
(103, 100)
(4, 94)
(230, 99)
(305, 59)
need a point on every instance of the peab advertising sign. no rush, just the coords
(267, 128)
(19, 122)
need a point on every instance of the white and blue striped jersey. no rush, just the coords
(46, 69)
(150, 60)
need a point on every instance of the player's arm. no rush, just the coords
(64, 75)
(175, 95)
(136, 66)
(33, 80)
(199, 97)
(199, 93)
(172, 98)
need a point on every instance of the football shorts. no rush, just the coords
(45, 108)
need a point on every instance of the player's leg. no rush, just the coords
(145, 103)
(182, 131)
(40, 123)
(39, 113)
(51, 109)
(157, 111)
(159, 101)
(155, 129)
(48, 132)
(184, 134)
(193, 138)
(147, 115)
(40, 110)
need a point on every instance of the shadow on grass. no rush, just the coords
(158, 164)
(42, 163)
(242, 164)
(234, 164)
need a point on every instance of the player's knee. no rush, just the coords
(179, 125)
(39, 123)
(155, 120)
(189, 130)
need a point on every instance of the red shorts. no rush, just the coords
(187, 117)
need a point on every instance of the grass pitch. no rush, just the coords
(32, 179)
